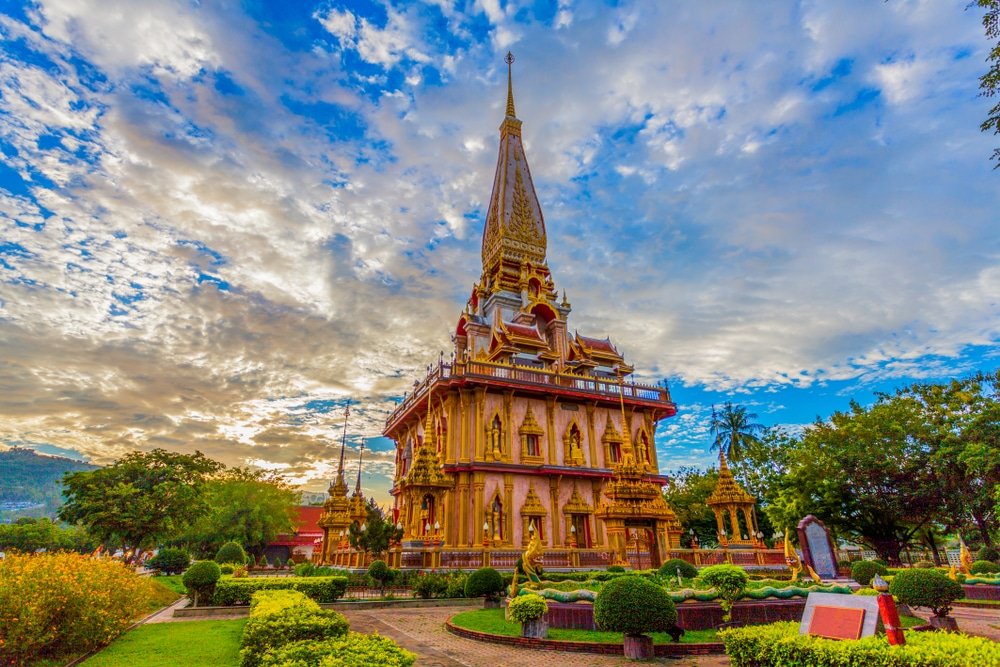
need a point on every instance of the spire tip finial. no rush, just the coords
(509, 59)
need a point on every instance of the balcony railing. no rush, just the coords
(530, 377)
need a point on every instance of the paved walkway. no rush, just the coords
(972, 620)
(422, 631)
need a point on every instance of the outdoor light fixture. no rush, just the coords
(437, 526)
(572, 529)
(364, 527)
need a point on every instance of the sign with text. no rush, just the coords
(817, 547)
(840, 616)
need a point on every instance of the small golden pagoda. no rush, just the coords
(339, 511)
(728, 500)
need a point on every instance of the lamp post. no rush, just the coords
(572, 536)
(486, 534)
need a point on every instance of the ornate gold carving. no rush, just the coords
(576, 503)
(533, 504)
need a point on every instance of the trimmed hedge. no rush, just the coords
(863, 571)
(484, 582)
(781, 645)
(280, 617)
(240, 591)
(669, 569)
(984, 567)
(351, 650)
(169, 561)
(231, 552)
(634, 606)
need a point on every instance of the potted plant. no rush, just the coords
(928, 588)
(634, 606)
(486, 583)
(529, 610)
(730, 582)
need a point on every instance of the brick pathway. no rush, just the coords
(422, 631)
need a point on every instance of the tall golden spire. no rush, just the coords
(515, 229)
(510, 86)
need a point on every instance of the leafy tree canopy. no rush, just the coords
(989, 83)
(376, 533)
(29, 535)
(734, 429)
(140, 499)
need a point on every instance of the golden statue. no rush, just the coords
(964, 557)
(792, 559)
(532, 558)
(953, 573)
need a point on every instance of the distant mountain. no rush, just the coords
(31, 483)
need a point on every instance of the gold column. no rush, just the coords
(465, 437)
(591, 435)
(508, 503)
(597, 533)
(651, 430)
(478, 484)
(555, 540)
(451, 442)
(550, 418)
(508, 428)
(478, 429)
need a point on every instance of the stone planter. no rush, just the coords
(638, 647)
(946, 623)
(535, 629)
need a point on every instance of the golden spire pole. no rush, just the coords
(510, 87)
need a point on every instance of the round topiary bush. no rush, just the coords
(381, 574)
(616, 568)
(669, 569)
(231, 552)
(525, 608)
(169, 561)
(924, 564)
(988, 553)
(485, 582)
(634, 606)
(863, 571)
(926, 588)
(227, 568)
(984, 567)
(200, 580)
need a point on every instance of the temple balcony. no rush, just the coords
(531, 380)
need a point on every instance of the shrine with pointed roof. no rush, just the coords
(530, 428)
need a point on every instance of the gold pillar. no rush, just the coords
(463, 514)
(479, 418)
(591, 436)
(550, 418)
(466, 439)
(508, 507)
(508, 428)
(597, 533)
(478, 516)
(554, 510)
(651, 430)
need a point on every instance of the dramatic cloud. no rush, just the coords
(220, 226)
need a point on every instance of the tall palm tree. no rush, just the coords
(733, 428)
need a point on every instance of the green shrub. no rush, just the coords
(924, 564)
(261, 560)
(227, 568)
(669, 569)
(231, 552)
(633, 606)
(484, 582)
(280, 617)
(984, 567)
(866, 591)
(430, 585)
(169, 561)
(351, 650)
(988, 553)
(381, 574)
(926, 588)
(304, 569)
(863, 571)
(781, 645)
(526, 608)
(729, 581)
(290, 563)
(200, 580)
(616, 568)
(240, 591)
(456, 585)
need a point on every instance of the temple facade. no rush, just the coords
(530, 426)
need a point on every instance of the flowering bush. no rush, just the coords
(347, 651)
(279, 617)
(53, 603)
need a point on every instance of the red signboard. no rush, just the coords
(837, 622)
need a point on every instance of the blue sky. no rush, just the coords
(222, 223)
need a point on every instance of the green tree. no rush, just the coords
(686, 493)
(733, 430)
(866, 473)
(249, 507)
(28, 535)
(140, 499)
(376, 533)
(989, 83)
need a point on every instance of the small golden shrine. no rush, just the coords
(728, 501)
(339, 511)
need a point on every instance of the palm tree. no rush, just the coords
(734, 428)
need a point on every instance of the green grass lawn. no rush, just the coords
(173, 582)
(492, 621)
(188, 643)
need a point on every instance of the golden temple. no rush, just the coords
(529, 430)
